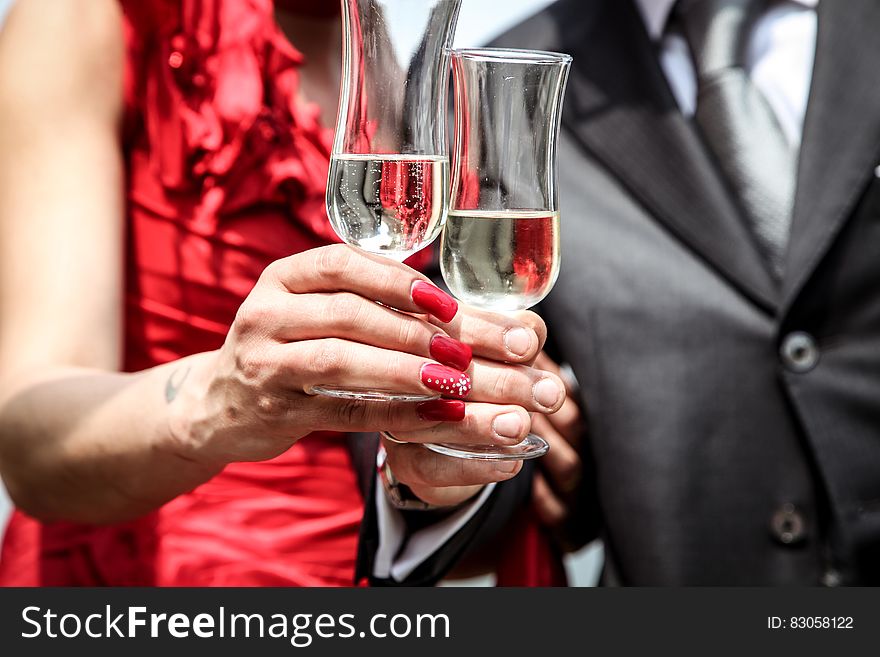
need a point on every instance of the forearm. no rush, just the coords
(92, 446)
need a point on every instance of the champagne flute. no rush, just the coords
(500, 245)
(387, 191)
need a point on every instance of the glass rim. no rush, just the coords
(512, 56)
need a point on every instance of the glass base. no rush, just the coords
(531, 448)
(369, 394)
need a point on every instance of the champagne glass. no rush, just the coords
(387, 191)
(500, 245)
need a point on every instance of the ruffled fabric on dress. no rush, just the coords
(216, 83)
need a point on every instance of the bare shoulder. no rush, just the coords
(61, 183)
(62, 55)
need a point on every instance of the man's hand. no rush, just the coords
(559, 476)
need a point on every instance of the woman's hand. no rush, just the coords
(312, 320)
(446, 481)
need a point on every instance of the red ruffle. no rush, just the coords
(216, 83)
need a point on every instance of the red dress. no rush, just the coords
(225, 173)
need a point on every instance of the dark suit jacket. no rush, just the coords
(721, 449)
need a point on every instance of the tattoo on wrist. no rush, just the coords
(175, 383)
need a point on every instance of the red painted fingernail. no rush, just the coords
(435, 301)
(446, 380)
(441, 410)
(451, 352)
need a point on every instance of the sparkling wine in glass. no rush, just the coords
(500, 246)
(392, 205)
(388, 189)
(502, 260)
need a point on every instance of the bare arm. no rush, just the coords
(80, 441)
(61, 222)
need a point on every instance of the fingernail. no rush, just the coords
(451, 352)
(506, 467)
(518, 341)
(441, 410)
(508, 426)
(446, 380)
(547, 393)
(435, 301)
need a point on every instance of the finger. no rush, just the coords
(568, 421)
(334, 362)
(520, 385)
(417, 466)
(549, 508)
(345, 315)
(515, 338)
(544, 362)
(356, 415)
(340, 267)
(562, 464)
(448, 496)
(483, 424)
(560, 518)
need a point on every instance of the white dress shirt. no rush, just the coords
(397, 561)
(779, 61)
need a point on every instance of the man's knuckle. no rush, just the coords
(427, 470)
(536, 323)
(554, 517)
(402, 460)
(568, 467)
(396, 462)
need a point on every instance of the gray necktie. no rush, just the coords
(736, 121)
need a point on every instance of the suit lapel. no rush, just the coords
(621, 110)
(841, 142)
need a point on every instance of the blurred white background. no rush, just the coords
(480, 21)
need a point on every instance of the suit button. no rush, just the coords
(799, 352)
(787, 525)
(830, 578)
